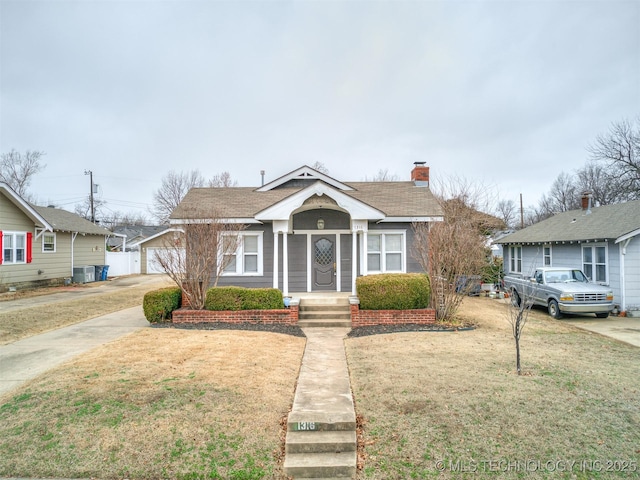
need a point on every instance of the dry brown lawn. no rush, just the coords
(444, 403)
(25, 322)
(160, 403)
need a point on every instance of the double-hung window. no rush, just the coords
(48, 242)
(386, 252)
(594, 262)
(242, 254)
(546, 255)
(515, 259)
(14, 247)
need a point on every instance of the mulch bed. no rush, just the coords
(297, 331)
(409, 327)
(258, 327)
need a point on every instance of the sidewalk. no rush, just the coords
(26, 359)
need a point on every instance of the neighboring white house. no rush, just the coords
(603, 241)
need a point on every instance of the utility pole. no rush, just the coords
(93, 211)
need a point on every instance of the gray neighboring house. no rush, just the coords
(307, 231)
(603, 241)
(42, 245)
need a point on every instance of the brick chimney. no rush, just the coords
(420, 174)
(586, 202)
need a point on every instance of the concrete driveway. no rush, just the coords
(625, 329)
(27, 358)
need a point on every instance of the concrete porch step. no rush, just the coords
(321, 465)
(323, 307)
(325, 314)
(324, 323)
(341, 418)
(320, 442)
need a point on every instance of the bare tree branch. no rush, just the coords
(197, 257)
(17, 169)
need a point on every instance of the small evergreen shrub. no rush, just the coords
(158, 305)
(394, 291)
(238, 298)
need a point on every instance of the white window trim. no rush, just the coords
(55, 242)
(239, 254)
(545, 256)
(513, 259)
(13, 235)
(383, 251)
(594, 264)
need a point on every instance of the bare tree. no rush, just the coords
(118, 219)
(604, 187)
(320, 167)
(619, 149)
(518, 309)
(173, 189)
(383, 175)
(453, 252)
(196, 255)
(17, 169)
(222, 180)
(84, 209)
(507, 211)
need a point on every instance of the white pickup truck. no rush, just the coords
(561, 290)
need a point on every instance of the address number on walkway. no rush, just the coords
(306, 426)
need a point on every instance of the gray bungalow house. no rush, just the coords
(42, 245)
(603, 241)
(307, 231)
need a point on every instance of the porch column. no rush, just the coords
(275, 259)
(285, 265)
(357, 226)
(354, 261)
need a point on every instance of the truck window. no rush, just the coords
(578, 276)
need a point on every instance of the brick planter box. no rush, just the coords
(285, 316)
(366, 318)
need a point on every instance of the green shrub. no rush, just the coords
(394, 291)
(158, 305)
(238, 298)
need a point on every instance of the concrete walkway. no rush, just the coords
(321, 428)
(26, 359)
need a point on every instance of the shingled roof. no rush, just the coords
(64, 221)
(608, 222)
(394, 199)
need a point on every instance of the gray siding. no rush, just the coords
(568, 255)
(632, 273)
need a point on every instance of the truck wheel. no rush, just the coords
(553, 309)
(515, 298)
(602, 315)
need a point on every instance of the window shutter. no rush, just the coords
(29, 246)
(1, 248)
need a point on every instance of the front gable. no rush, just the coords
(303, 177)
(312, 196)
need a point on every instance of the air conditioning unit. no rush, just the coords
(84, 274)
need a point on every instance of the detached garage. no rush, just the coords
(162, 244)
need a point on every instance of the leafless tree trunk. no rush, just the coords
(518, 309)
(196, 257)
(17, 169)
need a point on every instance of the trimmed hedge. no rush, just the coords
(238, 298)
(394, 291)
(158, 305)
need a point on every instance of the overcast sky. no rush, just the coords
(506, 92)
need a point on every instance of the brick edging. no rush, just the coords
(284, 316)
(365, 318)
